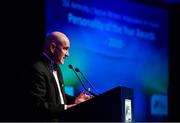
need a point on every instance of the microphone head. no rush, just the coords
(77, 70)
(70, 66)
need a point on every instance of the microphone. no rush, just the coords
(77, 70)
(71, 67)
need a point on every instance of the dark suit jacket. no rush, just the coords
(42, 101)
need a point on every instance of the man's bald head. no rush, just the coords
(56, 46)
(58, 38)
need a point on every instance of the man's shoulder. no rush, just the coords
(40, 64)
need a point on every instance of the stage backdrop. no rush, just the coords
(116, 43)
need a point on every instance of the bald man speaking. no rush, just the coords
(45, 86)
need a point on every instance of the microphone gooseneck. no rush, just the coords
(77, 70)
(71, 67)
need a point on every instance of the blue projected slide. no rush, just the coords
(116, 44)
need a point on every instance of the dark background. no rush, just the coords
(22, 31)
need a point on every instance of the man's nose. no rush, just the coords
(67, 53)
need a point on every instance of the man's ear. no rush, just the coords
(52, 47)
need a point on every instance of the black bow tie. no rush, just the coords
(55, 67)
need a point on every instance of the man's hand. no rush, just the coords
(82, 97)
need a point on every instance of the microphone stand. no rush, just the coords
(71, 67)
(77, 70)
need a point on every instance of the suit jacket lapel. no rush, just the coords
(61, 83)
(50, 71)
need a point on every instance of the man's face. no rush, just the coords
(61, 52)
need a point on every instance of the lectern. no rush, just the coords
(115, 105)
